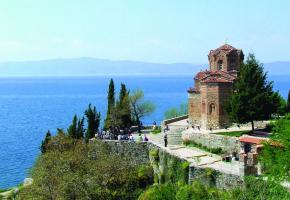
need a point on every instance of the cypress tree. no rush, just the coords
(72, 130)
(80, 128)
(123, 107)
(253, 97)
(288, 102)
(93, 120)
(111, 104)
(44, 142)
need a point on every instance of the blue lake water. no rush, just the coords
(31, 106)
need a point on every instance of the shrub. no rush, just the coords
(85, 171)
(145, 176)
(257, 188)
(200, 146)
(159, 192)
(157, 130)
(154, 153)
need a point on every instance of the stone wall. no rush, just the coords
(226, 143)
(214, 178)
(175, 119)
(168, 167)
(138, 152)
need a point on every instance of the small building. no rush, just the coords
(250, 149)
(213, 87)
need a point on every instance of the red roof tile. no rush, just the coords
(225, 48)
(200, 75)
(215, 77)
(252, 140)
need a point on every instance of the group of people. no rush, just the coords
(106, 135)
(127, 135)
(130, 137)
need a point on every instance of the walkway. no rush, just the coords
(197, 157)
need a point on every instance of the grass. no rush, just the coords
(157, 130)
(218, 150)
(233, 133)
(3, 190)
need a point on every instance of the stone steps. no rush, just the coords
(174, 137)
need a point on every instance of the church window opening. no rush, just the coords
(211, 108)
(220, 65)
(232, 63)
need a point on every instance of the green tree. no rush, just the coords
(139, 107)
(44, 142)
(275, 155)
(93, 121)
(253, 97)
(76, 129)
(257, 188)
(80, 128)
(288, 103)
(279, 103)
(175, 112)
(123, 107)
(111, 105)
(71, 169)
(72, 130)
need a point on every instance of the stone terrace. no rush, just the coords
(197, 157)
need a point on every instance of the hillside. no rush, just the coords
(102, 67)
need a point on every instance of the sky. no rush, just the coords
(163, 31)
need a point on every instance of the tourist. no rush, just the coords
(140, 138)
(146, 138)
(154, 125)
(167, 128)
(131, 138)
(165, 139)
(119, 137)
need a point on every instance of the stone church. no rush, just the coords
(213, 87)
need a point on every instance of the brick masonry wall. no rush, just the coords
(210, 96)
(225, 91)
(194, 108)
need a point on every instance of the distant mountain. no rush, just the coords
(102, 67)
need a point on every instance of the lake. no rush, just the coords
(31, 106)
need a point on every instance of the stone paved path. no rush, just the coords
(197, 157)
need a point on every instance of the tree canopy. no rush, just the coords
(139, 107)
(175, 112)
(72, 169)
(288, 103)
(253, 97)
(275, 155)
(111, 104)
(93, 121)
(123, 107)
(76, 129)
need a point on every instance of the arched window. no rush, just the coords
(220, 65)
(232, 63)
(211, 108)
